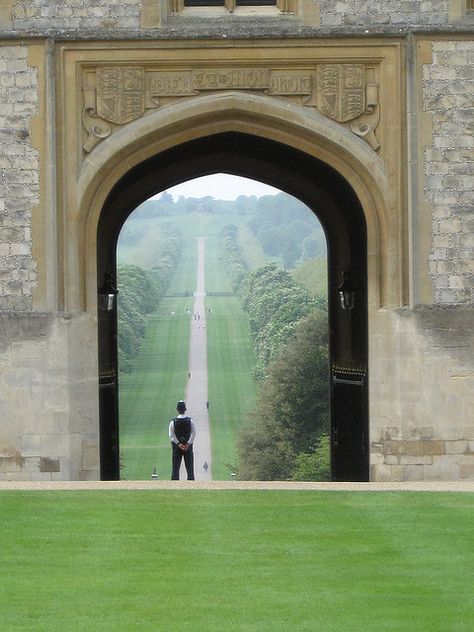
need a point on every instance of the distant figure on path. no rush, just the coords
(182, 432)
(207, 405)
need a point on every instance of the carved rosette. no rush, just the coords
(116, 95)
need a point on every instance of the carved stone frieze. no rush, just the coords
(116, 95)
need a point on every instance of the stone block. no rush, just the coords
(62, 475)
(415, 460)
(90, 454)
(385, 473)
(377, 459)
(30, 445)
(412, 448)
(412, 473)
(31, 466)
(48, 464)
(393, 447)
(433, 447)
(466, 471)
(10, 464)
(444, 468)
(89, 475)
(456, 447)
(57, 444)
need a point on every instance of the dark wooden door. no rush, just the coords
(349, 428)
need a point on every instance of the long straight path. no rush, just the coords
(196, 392)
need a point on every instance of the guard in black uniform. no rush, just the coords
(182, 432)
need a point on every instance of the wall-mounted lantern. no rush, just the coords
(346, 292)
(107, 294)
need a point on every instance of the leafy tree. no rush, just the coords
(275, 303)
(292, 405)
(142, 286)
(313, 274)
(316, 464)
(231, 256)
(137, 297)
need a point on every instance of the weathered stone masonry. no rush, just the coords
(19, 177)
(112, 15)
(76, 15)
(375, 12)
(448, 85)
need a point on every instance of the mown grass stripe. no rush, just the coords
(237, 560)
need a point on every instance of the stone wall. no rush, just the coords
(64, 15)
(44, 16)
(367, 13)
(448, 85)
(48, 398)
(19, 176)
(421, 424)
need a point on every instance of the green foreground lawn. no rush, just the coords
(225, 561)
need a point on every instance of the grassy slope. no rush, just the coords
(237, 561)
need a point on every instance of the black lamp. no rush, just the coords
(346, 292)
(107, 294)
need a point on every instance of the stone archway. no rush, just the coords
(352, 187)
(338, 209)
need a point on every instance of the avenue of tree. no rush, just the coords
(271, 251)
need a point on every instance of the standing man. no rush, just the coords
(182, 431)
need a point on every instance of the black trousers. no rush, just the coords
(177, 457)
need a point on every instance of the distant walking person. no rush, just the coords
(182, 432)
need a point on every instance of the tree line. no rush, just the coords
(286, 437)
(140, 292)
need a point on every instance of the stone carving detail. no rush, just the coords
(116, 95)
(341, 91)
(120, 94)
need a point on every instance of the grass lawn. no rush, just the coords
(236, 561)
(232, 390)
(230, 360)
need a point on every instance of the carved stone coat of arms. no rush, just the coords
(120, 93)
(341, 91)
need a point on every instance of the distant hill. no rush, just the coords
(276, 228)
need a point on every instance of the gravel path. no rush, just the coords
(418, 486)
(196, 393)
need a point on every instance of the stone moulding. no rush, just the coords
(115, 95)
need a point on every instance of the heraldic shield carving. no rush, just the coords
(120, 93)
(341, 91)
(116, 95)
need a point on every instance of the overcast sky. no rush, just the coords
(221, 186)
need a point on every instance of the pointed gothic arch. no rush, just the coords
(305, 155)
